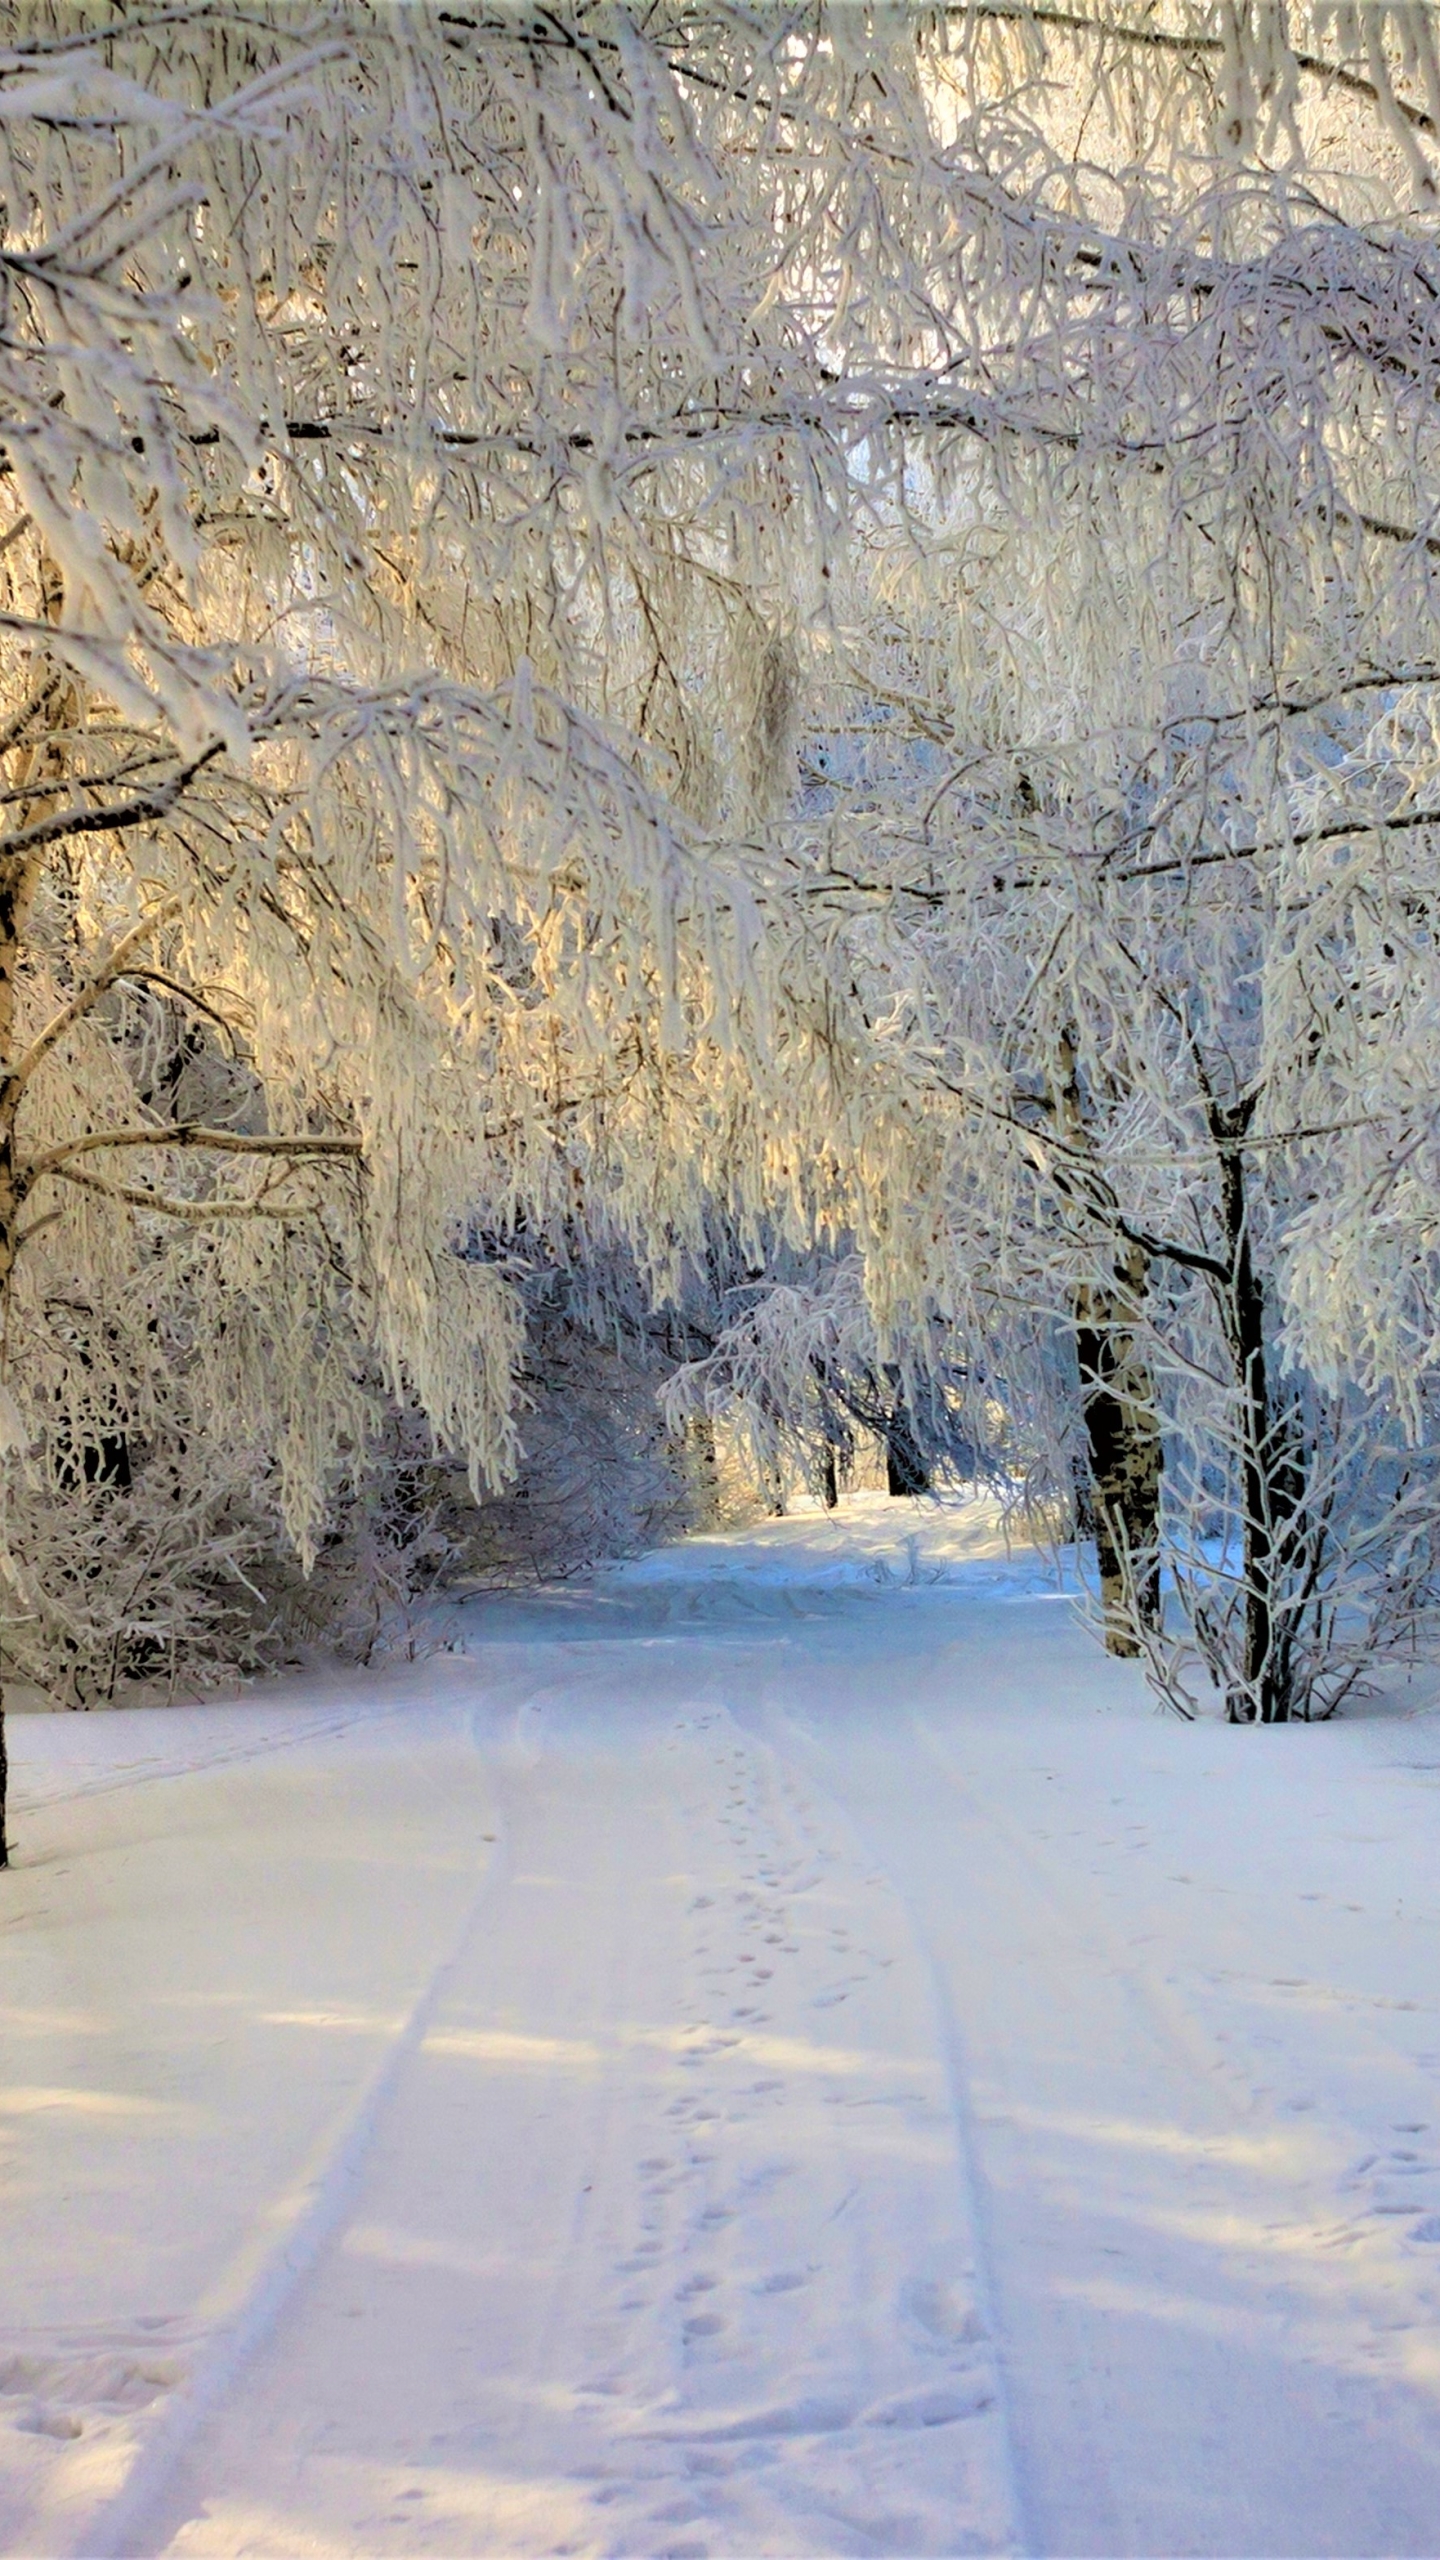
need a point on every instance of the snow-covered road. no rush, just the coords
(785, 2054)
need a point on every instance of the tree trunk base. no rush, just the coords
(905, 1469)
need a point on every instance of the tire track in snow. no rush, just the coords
(48, 1779)
(1090, 2426)
(249, 2301)
(30, 1795)
(1161, 2246)
(62, 1790)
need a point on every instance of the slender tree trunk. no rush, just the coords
(1264, 1690)
(1117, 1397)
(906, 1470)
(9, 1236)
(829, 1481)
(16, 889)
(38, 764)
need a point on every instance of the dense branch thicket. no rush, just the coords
(353, 889)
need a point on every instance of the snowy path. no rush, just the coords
(751, 2062)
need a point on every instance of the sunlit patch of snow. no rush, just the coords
(873, 1541)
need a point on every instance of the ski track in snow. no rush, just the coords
(772, 2057)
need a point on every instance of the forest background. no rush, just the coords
(717, 720)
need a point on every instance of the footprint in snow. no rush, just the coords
(809, 2417)
(49, 2422)
(942, 2310)
(927, 2408)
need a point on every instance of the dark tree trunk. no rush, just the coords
(829, 1481)
(906, 1470)
(1117, 1398)
(1268, 1474)
(39, 764)
(38, 770)
(14, 894)
(1117, 1394)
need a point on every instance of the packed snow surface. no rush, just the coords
(783, 2052)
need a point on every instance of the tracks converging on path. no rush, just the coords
(661, 2213)
(699, 2088)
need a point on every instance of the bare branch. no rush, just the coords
(193, 1134)
(193, 1212)
(78, 820)
(13, 1085)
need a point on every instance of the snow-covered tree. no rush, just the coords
(1137, 784)
(368, 864)
(452, 460)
